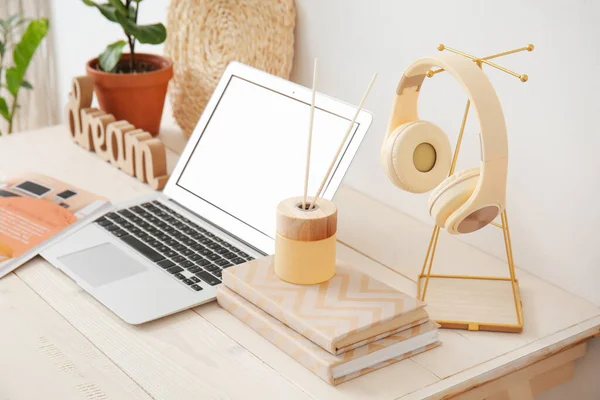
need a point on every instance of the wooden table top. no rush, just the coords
(56, 341)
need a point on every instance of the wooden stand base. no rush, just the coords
(473, 303)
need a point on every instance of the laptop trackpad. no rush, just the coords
(102, 264)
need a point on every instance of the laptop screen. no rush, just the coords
(252, 153)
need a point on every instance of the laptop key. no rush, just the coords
(171, 242)
(111, 227)
(170, 253)
(242, 254)
(179, 247)
(147, 238)
(188, 281)
(238, 260)
(112, 215)
(212, 268)
(175, 269)
(213, 257)
(229, 255)
(179, 276)
(197, 288)
(166, 264)
(227, 265)
(119, 233)
(126, 213)
(142, 248)
(195, 257)
(189, 242)
(103, 222)
(178, 259)
(222, 262)
(186, 264)
(218, 273)
(136, 209)
(188, 252)
(194, 269)
(195, 278)
(163, 249)
(208, 278)
(203, 262)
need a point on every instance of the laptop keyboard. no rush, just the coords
(185, 250)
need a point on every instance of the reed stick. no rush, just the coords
(340, 148)
(310, 131)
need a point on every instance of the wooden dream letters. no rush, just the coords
(132, 150)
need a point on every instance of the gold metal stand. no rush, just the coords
(428, 263)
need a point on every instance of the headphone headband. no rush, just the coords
(494, 141)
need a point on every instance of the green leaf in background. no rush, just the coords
(4, 109)
(23, 52)
(110, 57)
(2, 48)
(119, 6)
(5, 23)
(26, 85)
(108, 10)
(153, 34)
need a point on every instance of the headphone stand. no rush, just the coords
(489, 296)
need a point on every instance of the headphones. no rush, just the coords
(416, 154)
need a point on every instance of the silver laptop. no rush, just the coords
(165, 253)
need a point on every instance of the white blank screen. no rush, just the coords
(252, 153)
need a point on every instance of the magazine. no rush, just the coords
(36, 210)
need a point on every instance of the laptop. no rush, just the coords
(164, 253)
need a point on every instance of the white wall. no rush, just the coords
(554, 135)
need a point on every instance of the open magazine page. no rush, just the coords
(33, 209)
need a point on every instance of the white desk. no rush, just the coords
(57, 342)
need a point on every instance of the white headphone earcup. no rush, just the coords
(398, 156)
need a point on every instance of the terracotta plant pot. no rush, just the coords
(137, 98)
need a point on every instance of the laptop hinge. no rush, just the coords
(218, 227)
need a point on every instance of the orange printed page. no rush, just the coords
(27, 222)
(35, 207)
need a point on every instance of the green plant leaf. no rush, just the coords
(7, 22)
(110, 57)
(108, 10)
(119, 6)
(153, 34)
(26, 85)
(132, 12)
(23, 53)
(4, 109)
(2, 48)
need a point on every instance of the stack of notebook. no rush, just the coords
(340, 329)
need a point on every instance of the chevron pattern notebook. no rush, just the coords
(348, 311)
(334, 369)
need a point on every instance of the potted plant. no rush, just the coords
(23, 52)
(132, 86)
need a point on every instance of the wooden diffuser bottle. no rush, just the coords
(306, 228)
(305, 241)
